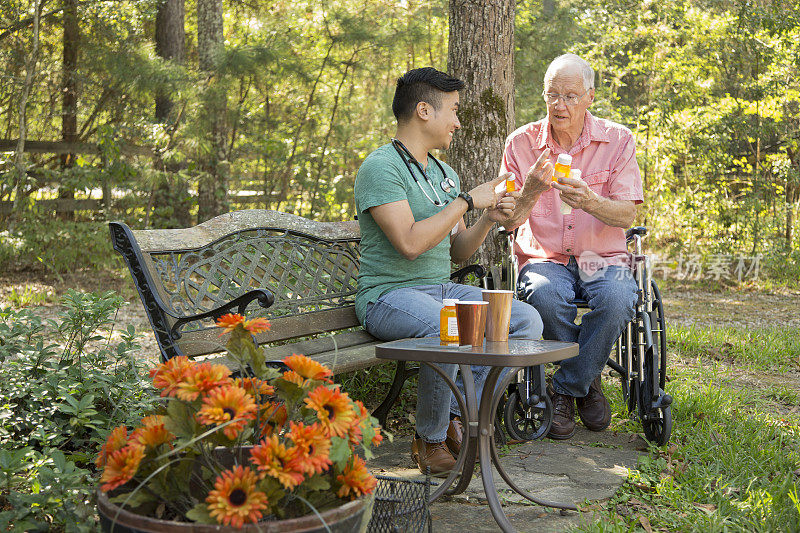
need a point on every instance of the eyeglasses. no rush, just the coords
(569, 99)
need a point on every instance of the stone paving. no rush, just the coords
(590, 466)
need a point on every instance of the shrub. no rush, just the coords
(62, 385)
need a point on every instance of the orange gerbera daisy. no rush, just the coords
(356, 479)
(200, 379)
(308, 368)
(274, 459)
(227, 403)
(116, 440)
(121, 466)
(255, 386)
(333, 408)
(293, 377)
(152, 433)
(231, 320)
(273, 418)
(167, 376)
(314, 443)
(235, 499)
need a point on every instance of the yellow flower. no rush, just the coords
(235, 499)
(333, 409)
(356, 479)
(227, 403)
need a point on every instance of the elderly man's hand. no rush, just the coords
(576, 193)
(504, 209)
(538, 178)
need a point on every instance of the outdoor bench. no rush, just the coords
(299, 273)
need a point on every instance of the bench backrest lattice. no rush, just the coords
(187, 276)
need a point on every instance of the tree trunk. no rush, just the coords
(481, 52)
(212, 187)
(69, 92)
(20, 170)
(171, 200)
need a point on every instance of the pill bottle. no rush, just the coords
(561, 170)
(575, 174)
(510, 185)
(448, 325)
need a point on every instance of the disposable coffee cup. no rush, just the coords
(471, 318)
(498, 318)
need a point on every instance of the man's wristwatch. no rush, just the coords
(468, 199)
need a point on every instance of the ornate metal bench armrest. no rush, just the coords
(265, 299)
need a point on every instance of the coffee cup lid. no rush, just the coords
(472, 302)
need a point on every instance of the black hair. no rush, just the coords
(422, 85)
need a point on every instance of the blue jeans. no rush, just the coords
(611, 295)
(414, 312)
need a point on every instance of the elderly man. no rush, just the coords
(582, 253)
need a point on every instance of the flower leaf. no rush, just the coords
(179, 419)
(340, 451)
(317, 482)
(199, 513)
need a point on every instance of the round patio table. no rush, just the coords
(478, 419)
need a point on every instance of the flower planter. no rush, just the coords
(351, 517)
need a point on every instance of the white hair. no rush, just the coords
(587, 72)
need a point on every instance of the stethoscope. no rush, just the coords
(447, 183)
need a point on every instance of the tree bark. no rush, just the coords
(69, 91)
(20, 171)
(481, 52)
(212, 187)
(171, 200)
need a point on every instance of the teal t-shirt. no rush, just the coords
(384, 178)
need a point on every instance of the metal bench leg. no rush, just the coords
(401, 374)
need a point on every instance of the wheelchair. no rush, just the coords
(639, 357)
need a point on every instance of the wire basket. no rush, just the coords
(401, 506)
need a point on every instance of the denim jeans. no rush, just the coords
(414, 312)
(611, 295)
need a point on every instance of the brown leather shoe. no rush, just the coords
(455, 433)
(434, 455)
(593, 409)
(563, 426)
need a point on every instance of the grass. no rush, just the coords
(765, 348)
(733, 462)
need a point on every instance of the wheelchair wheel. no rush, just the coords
(656, 422)
(527, 423)
(658, 323)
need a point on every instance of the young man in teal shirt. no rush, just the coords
(410, 210)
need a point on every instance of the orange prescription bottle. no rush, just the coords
(575, 174)
(510, 185)
(448, 325)
(561, 170)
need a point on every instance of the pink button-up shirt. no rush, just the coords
(606, 154)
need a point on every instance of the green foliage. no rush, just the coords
(56, 246)
(765, 347)
(62, 385)
(729, 466)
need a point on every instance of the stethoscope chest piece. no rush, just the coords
(447, 184)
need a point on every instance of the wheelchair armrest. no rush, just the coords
(459, 275)
(636, 230)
